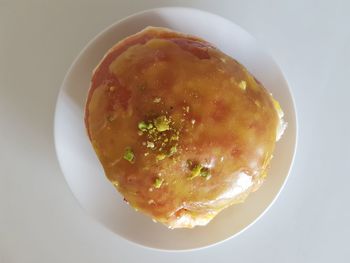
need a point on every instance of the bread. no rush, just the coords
(182, 130)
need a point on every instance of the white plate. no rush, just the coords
(84, 173)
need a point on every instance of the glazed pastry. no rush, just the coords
(182, 130)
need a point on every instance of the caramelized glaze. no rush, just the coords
(182, 130)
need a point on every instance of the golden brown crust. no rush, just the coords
(181, 129)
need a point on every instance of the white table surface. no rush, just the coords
(40, 221)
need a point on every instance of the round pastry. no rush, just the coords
(181, 129)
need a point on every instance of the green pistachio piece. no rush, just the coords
(143, 126)
(162, 123)
(173, 150)
(196, 170)
(129, 155)
(158, 183)
(204, 172)
(161, 157)
(199, 170)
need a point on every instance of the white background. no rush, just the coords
(40, 221)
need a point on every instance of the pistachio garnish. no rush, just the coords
(173, 150)
(162, 123)
(164, 143)
(129, 155)
(161, 157)
(204, 172)
(143, 126)
(158, 182)
(174, 138)
(198, 170)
